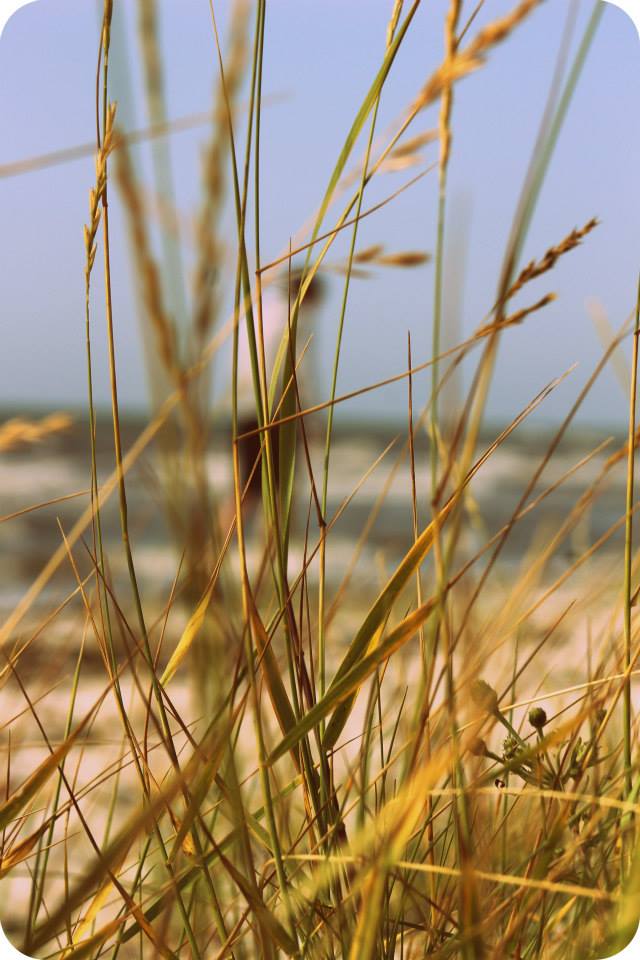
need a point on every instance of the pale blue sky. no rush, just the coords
(321, 56)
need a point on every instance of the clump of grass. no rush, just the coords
(398, 770)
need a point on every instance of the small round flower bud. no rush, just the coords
(537, 717)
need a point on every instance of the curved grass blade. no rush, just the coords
(189, 633)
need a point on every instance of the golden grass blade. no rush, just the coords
(105, 890)
(90, 948)
(21, 850)
(528, 883)
(189, 633)
(366, 933)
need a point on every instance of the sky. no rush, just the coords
(320, 59)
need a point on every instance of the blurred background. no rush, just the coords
(320, 60)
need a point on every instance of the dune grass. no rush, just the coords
(357, 773)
